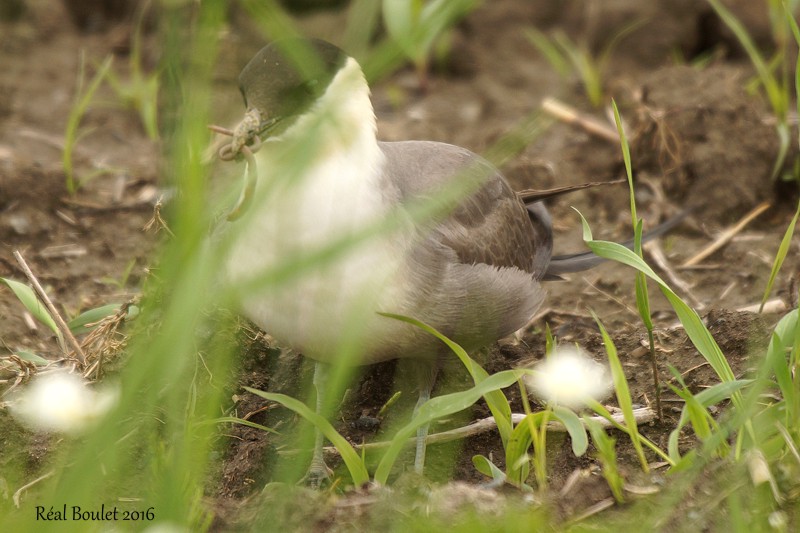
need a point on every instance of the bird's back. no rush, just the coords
(474, 271)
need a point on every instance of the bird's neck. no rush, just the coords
(341, 121)
(326, 168)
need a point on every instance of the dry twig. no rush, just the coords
(727, 235)
(642, 415)
(570, 115)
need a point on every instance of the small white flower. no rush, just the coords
(569, 377)
(61, 401)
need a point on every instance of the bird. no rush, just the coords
(471, 267)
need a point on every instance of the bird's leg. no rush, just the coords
(318, 471)
(427, 377)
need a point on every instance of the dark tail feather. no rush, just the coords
(529, 196)
(565, 264)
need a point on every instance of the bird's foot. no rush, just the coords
(318, 474)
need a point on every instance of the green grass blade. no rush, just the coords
(796, 32)
(496, 400)
(783, 249)
(785, 339)
(606, 452)
(517, 448)
(31, 357)
(549, 50)
(241, 422)
(440, 407)
(706, 398)
(356, 467)
(693, 325)
(623, 393)
(776, 96)
(626, 156)
(598, 408)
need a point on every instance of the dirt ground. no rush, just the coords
(700, 139)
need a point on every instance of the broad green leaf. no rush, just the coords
(575, 428)
(28, 298)
(78, 324)
(487, 468)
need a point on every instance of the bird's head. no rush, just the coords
(285, 79)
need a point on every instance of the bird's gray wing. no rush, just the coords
(474, 273)
(491, 226)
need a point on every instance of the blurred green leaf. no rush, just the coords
(414, 25)
(76, 114)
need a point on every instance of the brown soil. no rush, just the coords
(700, 140)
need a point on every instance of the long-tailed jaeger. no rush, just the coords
(472, 270)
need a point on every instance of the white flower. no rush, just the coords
(569, 377)
(61, 401)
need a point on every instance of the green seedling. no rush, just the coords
(692, 323)
(642, 296)
(72, 134)
(567, 56)
(140, 90)
(776, 86)
(607, 454)
(695, 410)
(415, 26)
(122, 281)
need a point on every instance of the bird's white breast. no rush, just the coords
(334, 199)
